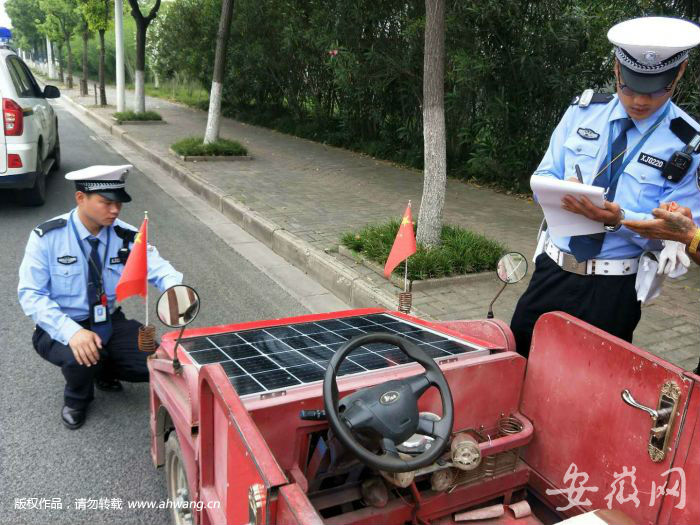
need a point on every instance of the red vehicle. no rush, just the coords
(372, 416)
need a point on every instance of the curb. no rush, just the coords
(342, 281)
(207, 158)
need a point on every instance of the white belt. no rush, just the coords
(568, 262)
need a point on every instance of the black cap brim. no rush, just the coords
(118, 195)
(644, 83)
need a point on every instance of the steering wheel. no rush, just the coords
(389, 410)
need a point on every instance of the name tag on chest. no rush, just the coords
(651, 161)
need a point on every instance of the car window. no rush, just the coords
(22, 81)
(38, 93)
(19, 88)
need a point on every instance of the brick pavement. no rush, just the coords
(318, 192)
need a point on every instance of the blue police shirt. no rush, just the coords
(53, 275)
(582, 138)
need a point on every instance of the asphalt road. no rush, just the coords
(109, 456)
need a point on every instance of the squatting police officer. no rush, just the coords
(638, 146)
(67, 281)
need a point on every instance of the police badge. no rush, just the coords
(587, 134)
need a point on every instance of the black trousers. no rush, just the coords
(120, 359)
(607, 302)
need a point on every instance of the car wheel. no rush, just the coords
(56, 154)
(176, 481)
(36, 195)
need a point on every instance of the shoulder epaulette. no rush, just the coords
(46, 227)
(125, 233)
(589, 97)
(683, 129)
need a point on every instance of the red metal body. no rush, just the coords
(566, 397)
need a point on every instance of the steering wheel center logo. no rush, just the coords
(392, 396)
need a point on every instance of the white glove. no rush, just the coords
(671, 256)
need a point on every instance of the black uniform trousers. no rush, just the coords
(120, 359)
(608, 302)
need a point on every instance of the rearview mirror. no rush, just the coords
(178, 306)
(512, 267)
(51, 92)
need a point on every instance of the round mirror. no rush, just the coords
(178, 306)
(512, 267)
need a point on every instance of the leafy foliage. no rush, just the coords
(195, 146)
(461, 251)
(26, 18)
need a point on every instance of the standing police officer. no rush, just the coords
(640, 147)
(67, 282)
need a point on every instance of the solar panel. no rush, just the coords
(263, 360)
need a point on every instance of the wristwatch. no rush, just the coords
(611, 229)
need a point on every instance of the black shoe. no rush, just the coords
(109, 385)
(73, 418)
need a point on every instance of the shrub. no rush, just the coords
(461, 251)
(126, 116)
(194, 146)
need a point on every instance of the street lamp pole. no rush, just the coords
(119, 37)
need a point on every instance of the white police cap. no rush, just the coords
(108, 181)
(651, 49)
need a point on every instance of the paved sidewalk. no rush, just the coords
(317, 192)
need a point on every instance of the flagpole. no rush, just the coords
(405, 266)
(146, 219)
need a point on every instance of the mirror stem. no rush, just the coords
(490, 314)
(176, 362)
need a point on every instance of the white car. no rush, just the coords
(29, 143)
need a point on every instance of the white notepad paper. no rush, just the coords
(562, 223)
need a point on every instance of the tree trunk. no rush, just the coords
(140, 76)
(70, 64)
(60, 64)
(84, 79)
(214, 119)
(142, 23)
(101, 69)
(435, 162)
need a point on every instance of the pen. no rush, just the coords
(578, 174)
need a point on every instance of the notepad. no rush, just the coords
(562, 223)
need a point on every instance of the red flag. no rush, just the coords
(404, 244)
(134, 279)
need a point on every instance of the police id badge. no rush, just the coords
(99, 313)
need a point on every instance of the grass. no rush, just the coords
(194, 146)
(191, 94)
(126, 116)
(461, 252)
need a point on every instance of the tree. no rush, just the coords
(63, 16)
(85, 27)
(217, 87)
(435, 164)
(50, 29)
(25, 16)
(142, 23)
(98, 14)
